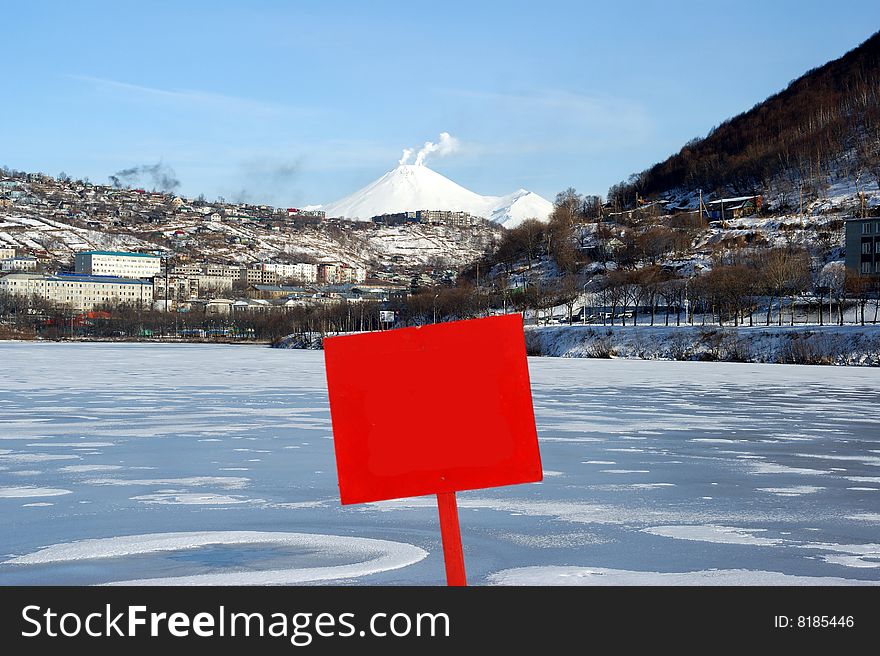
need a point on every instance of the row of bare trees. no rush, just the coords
(743, 287)
(133, 321)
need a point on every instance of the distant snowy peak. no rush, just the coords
(406, 188)
(513, 209)
(412, 187)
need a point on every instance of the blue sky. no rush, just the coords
(303, 102)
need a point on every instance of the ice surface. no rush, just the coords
(715, 474)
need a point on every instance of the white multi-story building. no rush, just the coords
(7, 253)
(79, 292)
(19, 264)
(115, 263)
(299, 271)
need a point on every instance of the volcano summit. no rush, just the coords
(411, 187)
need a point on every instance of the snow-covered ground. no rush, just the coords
(851, 345)
(197, 464)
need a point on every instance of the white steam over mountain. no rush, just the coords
(411, 187)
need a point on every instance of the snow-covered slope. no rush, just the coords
(513, 209)
(411, 187)
(405, 188)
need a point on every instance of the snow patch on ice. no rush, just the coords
(850, 555)
(75, 469)
(712, 533)
(557, 541)
(36, 457)
(865, 460)
(634, 486)
(300, 504)
(570, 575)
(193, 499)
(374, 555)
(792, 491)
(77, 445)
(776, 468)
(30, 491)
(230, 482)
(865, 517)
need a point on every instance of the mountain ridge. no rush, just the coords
(823, 126)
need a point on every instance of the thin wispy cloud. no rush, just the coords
(562, 119)
(189, 97)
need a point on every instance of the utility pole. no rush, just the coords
(801, 200)
(166, 284)
(584, 307)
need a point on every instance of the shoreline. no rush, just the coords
(848, 345)
(135, 340)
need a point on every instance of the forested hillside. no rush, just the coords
(823, 127)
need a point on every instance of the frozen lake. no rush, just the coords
(214, 464)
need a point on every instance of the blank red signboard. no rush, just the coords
(434, 409)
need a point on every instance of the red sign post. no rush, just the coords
(432, 410)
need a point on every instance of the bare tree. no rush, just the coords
(859, 287)
(567, 291)
(786, 273)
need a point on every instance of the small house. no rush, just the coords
(724, 209)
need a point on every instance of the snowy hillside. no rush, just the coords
(411, 187)
(52, 219)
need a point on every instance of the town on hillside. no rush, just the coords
(71, 248)
(91, 260)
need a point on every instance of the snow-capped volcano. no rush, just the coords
(411, 187)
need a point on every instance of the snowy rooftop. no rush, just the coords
(738, 199)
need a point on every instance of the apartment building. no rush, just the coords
(300, 271)
(79, 292)
(19, 264)
(117, 263)
(862, 239)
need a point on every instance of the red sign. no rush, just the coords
(432, 410)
